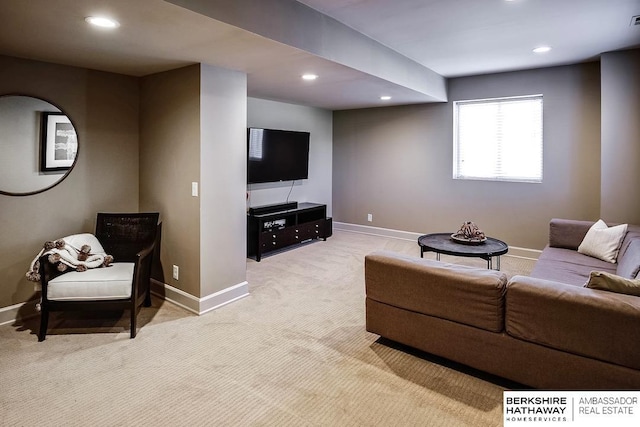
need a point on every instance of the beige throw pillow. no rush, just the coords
(603, 242)
(612, 283)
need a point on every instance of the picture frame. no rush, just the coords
(59, 142)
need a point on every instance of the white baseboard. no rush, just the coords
(376, 231)
(197, 305)
(518, 252)
(10, 314)
(514, 251)
(175, 296)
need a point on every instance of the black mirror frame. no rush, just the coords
(63, 177)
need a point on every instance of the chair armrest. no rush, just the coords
(567, 233)
(143, 254)
(142, 270)
(47, 271)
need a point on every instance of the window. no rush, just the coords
(498, 139)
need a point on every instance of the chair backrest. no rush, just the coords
(123, 235)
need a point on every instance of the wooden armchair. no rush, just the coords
(130, 238)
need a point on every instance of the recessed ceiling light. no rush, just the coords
(385, 97)
(309, 76)
(542, 49)
(101, 21)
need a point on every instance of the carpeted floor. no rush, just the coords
(293, 353)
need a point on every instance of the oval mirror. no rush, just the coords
(39, 145)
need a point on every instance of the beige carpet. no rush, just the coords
(293, 353)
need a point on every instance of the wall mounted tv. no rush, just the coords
(277, 155)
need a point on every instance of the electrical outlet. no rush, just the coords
(194, 189)
(176, 272)
(369, 217)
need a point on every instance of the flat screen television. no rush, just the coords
(277, 155)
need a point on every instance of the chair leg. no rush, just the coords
(147, 296)
(133, 321)
(44, 323)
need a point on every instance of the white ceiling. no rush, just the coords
(451, 37)
(466, 37)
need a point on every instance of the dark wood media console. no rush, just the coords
(274, 227)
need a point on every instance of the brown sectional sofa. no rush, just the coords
(546, 330)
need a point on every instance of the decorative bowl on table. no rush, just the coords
(469, 234)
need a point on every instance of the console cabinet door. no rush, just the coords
(310, 230)
(277, 230)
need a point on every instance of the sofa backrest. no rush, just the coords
(588, 322)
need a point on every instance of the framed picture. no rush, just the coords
(59, 142)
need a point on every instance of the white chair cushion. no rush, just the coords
(106, 283)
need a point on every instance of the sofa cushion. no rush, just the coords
(629, 261)
(586, 322)
(613, 283)
(568, 266)
(603, 242)
(466, 295)
(633, 233)
(106, 283)
(567, 233)
(629, 254)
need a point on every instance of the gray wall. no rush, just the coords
(317, 121)
(169, 162)
(183, 118)
(621, 136)
(193, 129)
(223, 157)
(104, 109)
(396, 162)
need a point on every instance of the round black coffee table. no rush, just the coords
(442, 243)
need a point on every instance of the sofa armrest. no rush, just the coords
(588, 322)
(567, 233)
(466, 295)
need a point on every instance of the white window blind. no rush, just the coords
(498, 139)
